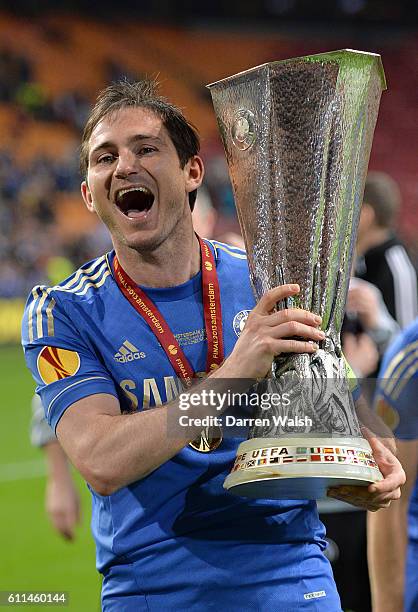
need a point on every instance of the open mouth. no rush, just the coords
(134, 202)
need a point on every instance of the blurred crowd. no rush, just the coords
(18, 86)
(28, 236)
(27, 219)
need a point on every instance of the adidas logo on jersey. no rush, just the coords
(128, 352)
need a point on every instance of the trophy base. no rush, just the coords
(300, 468)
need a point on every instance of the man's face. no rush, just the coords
(135, 182)
(366, 221)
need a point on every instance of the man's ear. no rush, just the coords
(87, 197)
(195, 171)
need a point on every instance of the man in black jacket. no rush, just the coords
(383, 260)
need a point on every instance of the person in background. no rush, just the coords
(207, 224)
(62, 500)
(393, 533)
(382, 258)
(367, 330)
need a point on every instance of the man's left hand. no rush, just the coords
(379, 494)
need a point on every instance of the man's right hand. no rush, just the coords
(268, 332)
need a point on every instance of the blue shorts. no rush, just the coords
(300, 580)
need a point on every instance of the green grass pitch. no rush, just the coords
(34, 557)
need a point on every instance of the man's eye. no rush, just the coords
(105, 159)
(145, 150)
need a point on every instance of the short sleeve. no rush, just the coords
(397, 393)
(64, 367)
(40, 432)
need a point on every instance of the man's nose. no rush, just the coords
(128, 163)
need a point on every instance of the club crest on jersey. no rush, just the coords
(239, 321)
(57, 363)
(128, 352)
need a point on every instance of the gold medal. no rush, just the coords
(208, 440)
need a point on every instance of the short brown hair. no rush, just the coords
(142, 94)
(382, 193)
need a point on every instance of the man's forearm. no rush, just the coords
(121, 449)
(387, 544)
(56, 459)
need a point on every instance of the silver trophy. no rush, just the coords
(297, 136)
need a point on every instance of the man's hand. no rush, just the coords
(63, 506)
(362, 300)
(268, 333)
(379, 494)
(361, 353)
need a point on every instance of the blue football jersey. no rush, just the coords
(178, 527)
(396, 403)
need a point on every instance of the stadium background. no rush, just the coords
(51, 66)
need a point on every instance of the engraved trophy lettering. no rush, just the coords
(297, 136)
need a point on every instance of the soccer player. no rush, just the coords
(393, 533)
(107, 347)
